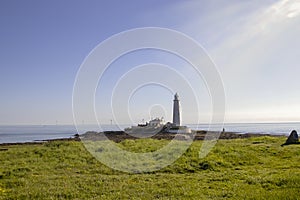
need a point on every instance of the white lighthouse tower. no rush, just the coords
(176, 111)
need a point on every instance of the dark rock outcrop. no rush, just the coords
(292, 139)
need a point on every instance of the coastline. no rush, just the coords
(41, 141)
(118, 136)
(34, 133)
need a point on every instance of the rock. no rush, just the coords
(293, 138)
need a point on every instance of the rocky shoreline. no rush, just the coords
(118, 136)
(75, 138)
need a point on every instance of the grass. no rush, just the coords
(252, 168)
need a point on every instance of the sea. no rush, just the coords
(34, 133)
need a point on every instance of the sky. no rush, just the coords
(254, 44)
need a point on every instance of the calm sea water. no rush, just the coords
(30, 133)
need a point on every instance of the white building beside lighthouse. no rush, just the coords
(157, 125)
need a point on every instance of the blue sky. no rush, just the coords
(254, 44)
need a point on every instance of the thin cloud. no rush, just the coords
(286, 8)
(275, 14)
(254, 45)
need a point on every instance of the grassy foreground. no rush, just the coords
(252, 168)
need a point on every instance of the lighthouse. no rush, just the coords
(176, 111)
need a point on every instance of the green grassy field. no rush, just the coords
(253, 168)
